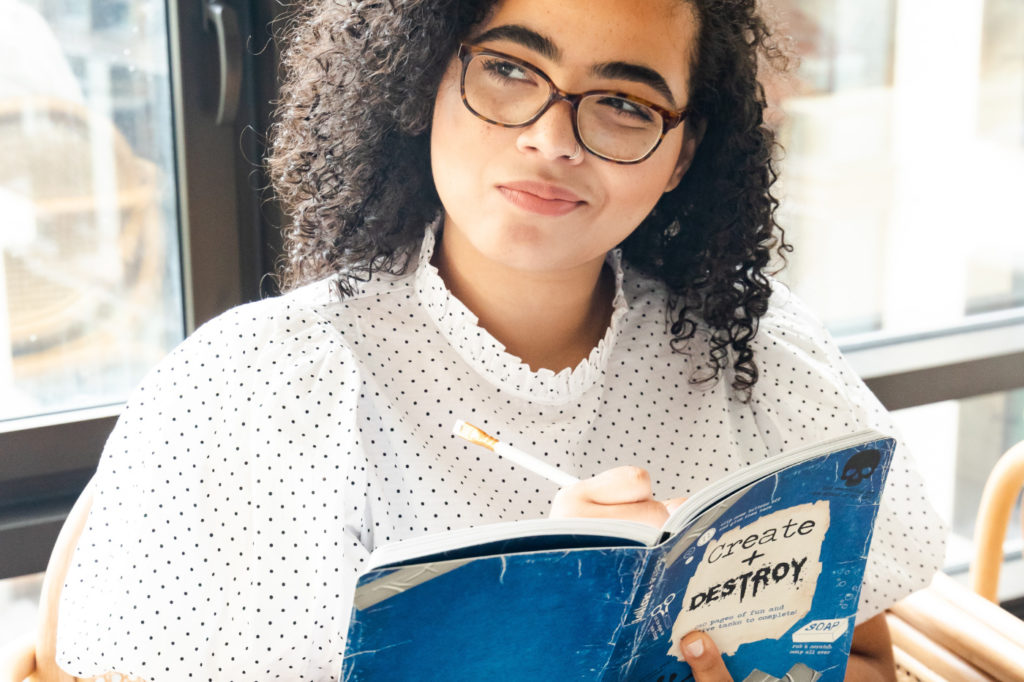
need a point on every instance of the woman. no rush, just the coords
(457, 207)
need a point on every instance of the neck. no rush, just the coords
(550, 320)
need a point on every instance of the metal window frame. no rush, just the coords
(983, 354)
(227, 244)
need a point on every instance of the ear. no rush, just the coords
(693, 133)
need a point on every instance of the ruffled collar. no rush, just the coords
(488, 356)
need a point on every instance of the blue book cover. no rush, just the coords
(768, 561)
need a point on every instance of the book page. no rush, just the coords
(755, 581)
(772, 572)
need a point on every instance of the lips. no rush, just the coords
(541, 198)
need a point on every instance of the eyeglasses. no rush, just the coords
(509, 92)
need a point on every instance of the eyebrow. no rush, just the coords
(636, 73)
(524, 36)
(545, 47)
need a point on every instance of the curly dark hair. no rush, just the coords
(350, 160)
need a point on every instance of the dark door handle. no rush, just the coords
(229, 52)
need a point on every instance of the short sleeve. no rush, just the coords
(807, 392)
(224, 537)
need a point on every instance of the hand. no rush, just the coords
(704, 658)
(621, 493)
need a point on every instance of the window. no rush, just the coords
(90, 277)
(903, 129)
(904, 160)
(959, 442)
(130, 217)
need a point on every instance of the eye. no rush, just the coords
(506, 71)
(626, 108)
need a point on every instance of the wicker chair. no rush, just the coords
(950, 632)
(1002, 490)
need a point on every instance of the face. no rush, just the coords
(519, 196)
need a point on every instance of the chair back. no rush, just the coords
(1002, 489)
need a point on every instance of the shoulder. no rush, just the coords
(268, 320)
(788, 314)
(804, 381)
(276, 362)
(791, 336)
(789, 328)
(293, 342)
(246, 355)
(298, 322)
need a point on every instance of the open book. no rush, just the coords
(768, 560)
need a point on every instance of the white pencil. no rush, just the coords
(515, 455)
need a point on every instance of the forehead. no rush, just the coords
(658, 34)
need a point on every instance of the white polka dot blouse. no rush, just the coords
(255, 468)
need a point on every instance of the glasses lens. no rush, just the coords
(618, 128)
(504, 91)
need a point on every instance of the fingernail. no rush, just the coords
(694, 649)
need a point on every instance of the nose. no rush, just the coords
(552, 135)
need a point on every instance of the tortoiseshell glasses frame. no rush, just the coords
(669, 119)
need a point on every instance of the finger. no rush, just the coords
(566, 505)
(650, 512)
(673, 504)
(704, 658)
(620, 485)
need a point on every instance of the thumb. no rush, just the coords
(704, 658)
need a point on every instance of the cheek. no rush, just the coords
(635, 190)
(446, 144)
(459, 142)
(444, 120)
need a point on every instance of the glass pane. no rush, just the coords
(19, 606)
(90, 292)
(903, 129)
(956, 444)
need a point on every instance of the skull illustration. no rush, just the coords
(860, 466)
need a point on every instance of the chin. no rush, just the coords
(531, 246)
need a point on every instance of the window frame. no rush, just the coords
(982, 354)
